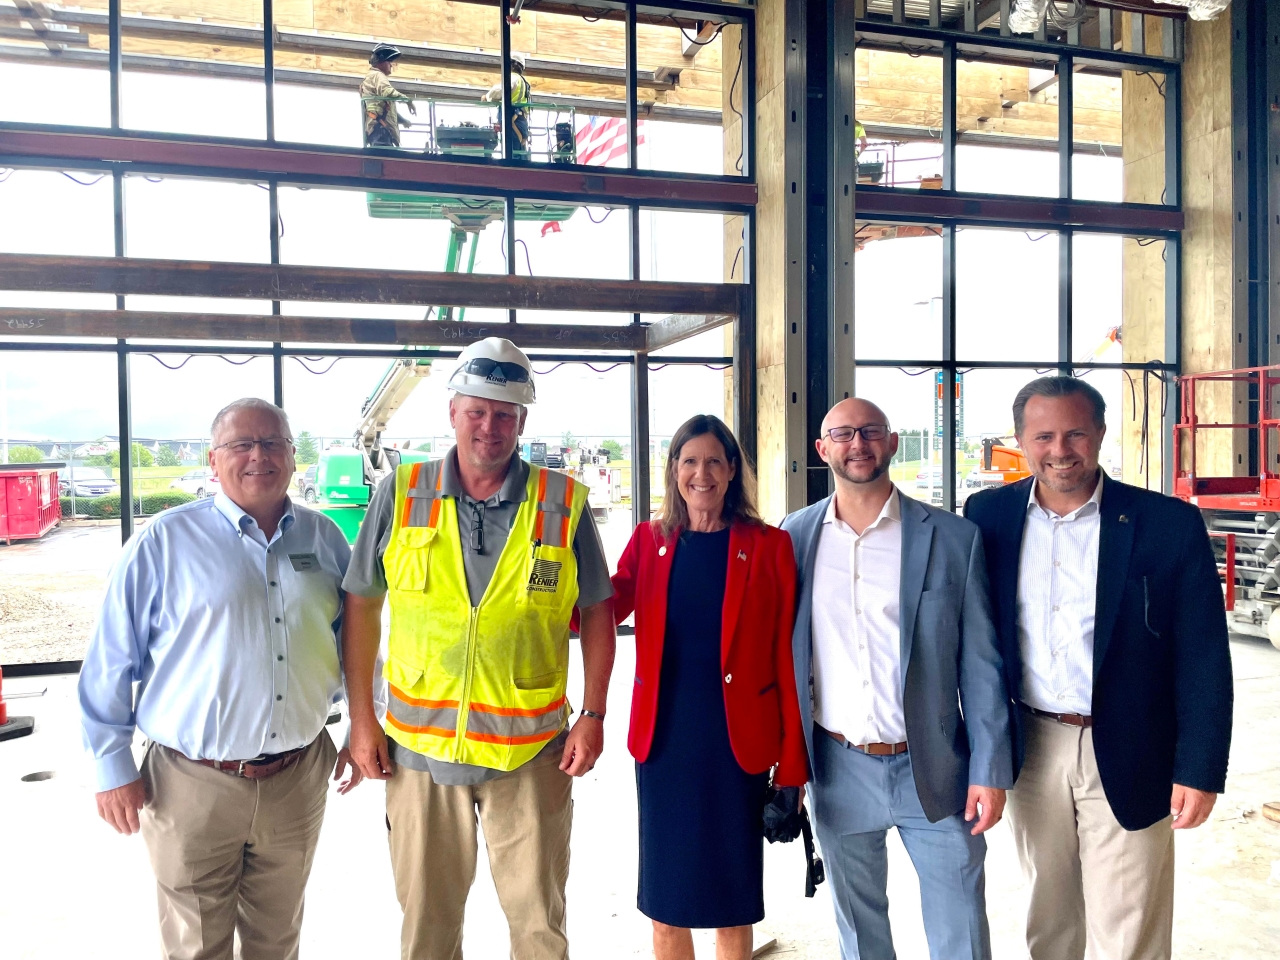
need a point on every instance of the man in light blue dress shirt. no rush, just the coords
(223, 612)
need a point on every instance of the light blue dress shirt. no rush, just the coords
(231, 638)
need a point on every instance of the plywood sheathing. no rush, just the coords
(1209, 338)
(456, 26)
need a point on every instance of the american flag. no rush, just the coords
(601, 140)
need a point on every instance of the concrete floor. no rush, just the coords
(73, 888)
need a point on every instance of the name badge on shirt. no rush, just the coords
(303, 562)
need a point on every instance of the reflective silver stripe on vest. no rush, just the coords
(555, 508)
(518, 729)
(422, 719)
(420, 497)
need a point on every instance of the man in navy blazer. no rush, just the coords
(1111, 623)
(901, 691)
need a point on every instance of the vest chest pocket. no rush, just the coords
(548, 568)
(409, 568)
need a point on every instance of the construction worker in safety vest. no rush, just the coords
(484, 558)
(382, 120)
(521, 91)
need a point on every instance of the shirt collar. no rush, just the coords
(892, 511)
(514, 489)
(1086, 509)
(241, 520)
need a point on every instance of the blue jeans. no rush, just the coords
(856, 799)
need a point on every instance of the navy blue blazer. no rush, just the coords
(1162, 692)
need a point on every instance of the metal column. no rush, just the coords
(841, 203)
(795, 285)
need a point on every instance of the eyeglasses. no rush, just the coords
(871, 432)
(269, 445)
(477, 528)
(485, 367)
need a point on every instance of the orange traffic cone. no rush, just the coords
(11, 727)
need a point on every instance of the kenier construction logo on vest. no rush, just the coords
(545, 577)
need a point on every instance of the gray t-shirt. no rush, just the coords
(484, 526)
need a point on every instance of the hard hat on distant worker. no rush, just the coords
(495, 369)
(519, 62)
(383, 53)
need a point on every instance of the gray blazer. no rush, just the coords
(954, 695)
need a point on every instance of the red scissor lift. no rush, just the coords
(1241, 512)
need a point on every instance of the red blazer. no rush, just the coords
(755, 645)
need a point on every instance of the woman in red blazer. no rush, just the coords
(713, 708)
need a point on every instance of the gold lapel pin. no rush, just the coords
(741, 555)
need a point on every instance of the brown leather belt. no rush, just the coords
(1070, 719)
(258, 768)
(871, 749)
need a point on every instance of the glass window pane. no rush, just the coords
(450, 58)
(184, 72)
(392, 231)
(984, 412)
(1007, 129)
(898, 98)
(1119, 151)
(1118, 299)
(172, 218)
(1006, 295)
(51, 585)
(691, 95)
(174, 398)
(72, 77)
(69, 213)
(568, 240)
(897, 292)
(908, 396)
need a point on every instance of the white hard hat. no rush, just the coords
(519, 60)
(495, 369)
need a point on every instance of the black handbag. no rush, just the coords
(784, 819)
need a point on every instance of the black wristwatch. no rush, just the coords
(584, 712)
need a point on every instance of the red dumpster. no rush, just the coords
(29, 506)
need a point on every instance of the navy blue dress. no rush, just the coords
(701, 847)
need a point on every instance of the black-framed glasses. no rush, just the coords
(870, 432)
(486, 367)
(477, 528)
(269, 445)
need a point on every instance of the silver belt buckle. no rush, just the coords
(240, 767)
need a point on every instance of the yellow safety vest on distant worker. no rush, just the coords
(481, 685)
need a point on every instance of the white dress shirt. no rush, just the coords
(857, 633)
(230, 638)
(1057, 598)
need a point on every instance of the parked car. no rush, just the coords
(199, 483)
(89, 482)
(306, 484)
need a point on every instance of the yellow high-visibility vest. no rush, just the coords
(483, 685)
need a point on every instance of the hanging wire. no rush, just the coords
(81, 182)
(694, 39)
(734, 268)
(608, 210)
(1039, 238)
(708, 366)
(527, 262)
(6, 173)
(1065, 21)
(302, 363)
(220, 356)
(737, 164)
(592, 366)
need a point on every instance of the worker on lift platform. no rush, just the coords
(520, 94)
(382, 121)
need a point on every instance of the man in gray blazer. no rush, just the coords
(902, 694)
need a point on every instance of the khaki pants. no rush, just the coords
(232, 855)
(526, 817)
(1090, 879)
